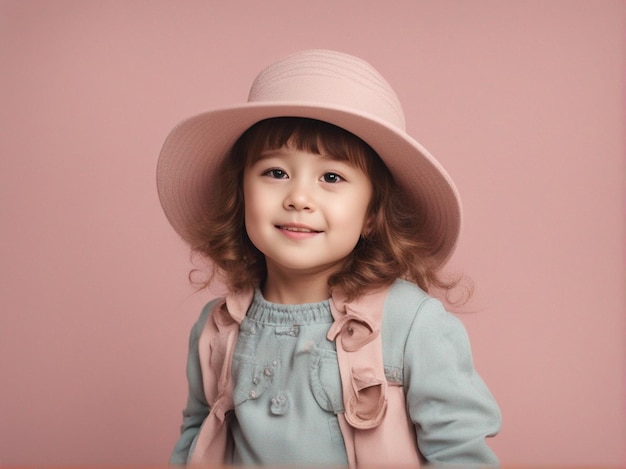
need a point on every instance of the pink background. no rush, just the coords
(522, 101)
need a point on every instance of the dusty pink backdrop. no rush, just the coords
(522, 102)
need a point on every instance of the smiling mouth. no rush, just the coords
(297, 229)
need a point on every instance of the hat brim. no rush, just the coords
(195, 148)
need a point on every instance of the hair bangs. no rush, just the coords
(309, 135)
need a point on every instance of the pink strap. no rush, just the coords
(356, 331)
(216, 346)
(376, 427)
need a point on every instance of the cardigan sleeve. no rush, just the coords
(449, 403)
(197, 407)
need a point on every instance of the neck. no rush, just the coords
(286, 288)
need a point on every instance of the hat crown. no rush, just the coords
(329, 78)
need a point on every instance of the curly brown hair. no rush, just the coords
(395, 246)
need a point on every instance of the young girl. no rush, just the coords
(328, 224)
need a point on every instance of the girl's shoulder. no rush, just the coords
(409, 314)
(205, 313)
(409, 307)
(402, 304)
(404, 300)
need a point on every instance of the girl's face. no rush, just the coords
(304, 211)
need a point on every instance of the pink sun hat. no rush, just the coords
(319, 84)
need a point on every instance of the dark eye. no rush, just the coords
(276, 173)
(331, 178)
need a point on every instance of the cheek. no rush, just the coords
(351, 219)
(252, 213)
(250, 207)
(359, 210)
(257, 214)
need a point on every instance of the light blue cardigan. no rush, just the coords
(427, 350)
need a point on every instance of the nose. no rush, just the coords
(299, 197)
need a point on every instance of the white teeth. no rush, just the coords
(295, 228)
